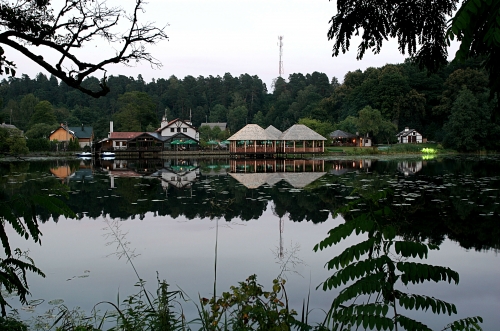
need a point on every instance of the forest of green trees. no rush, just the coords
(453, 106)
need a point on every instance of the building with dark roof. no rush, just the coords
(84, 134)
(222, 125)
(409, 136)
(173, 135)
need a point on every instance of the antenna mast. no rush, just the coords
(280, 44)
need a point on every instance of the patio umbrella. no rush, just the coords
(225, 142)
(190, 142)
(212, 142)
(176, 142)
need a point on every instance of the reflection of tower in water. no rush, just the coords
(281, 229)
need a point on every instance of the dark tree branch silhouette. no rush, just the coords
(424, 30)
(29, 23)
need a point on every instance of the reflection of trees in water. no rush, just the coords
(452, 198)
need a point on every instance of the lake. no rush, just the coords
(191, 221)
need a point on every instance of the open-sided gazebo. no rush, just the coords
(299, 139)
(254, 140)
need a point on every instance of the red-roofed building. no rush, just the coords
(118, 140)
(161, 139)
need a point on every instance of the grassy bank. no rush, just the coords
(433, 148)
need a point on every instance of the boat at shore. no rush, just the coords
(107, 154)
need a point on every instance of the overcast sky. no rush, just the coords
(212, 37)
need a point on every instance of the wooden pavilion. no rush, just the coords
(253, 140)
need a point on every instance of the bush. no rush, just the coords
(38, 144)
(361, 151)
(11, 324)
(406, 148)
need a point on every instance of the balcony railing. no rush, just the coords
(280, 149)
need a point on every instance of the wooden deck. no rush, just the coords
(275, 151)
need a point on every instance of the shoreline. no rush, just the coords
(326, 156)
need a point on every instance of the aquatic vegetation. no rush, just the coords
(436, 201)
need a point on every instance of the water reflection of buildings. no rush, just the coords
(410, 167)
(340, 167)
(172, 173)
(276, 165)
(255, 173)
(71, 172)
(215, 167)
(178, 173)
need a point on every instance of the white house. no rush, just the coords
(168, 129)
(365, 141)
(409, 136)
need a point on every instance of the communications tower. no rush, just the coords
(280, 44)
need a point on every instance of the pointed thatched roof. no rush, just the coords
(252, 132)
(300, 132)
(250, 180)
(273, 131)
(296, 179)
(302, 179)
(274, 178)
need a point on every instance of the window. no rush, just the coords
(178, 129)
(184, 130)
(172, 130)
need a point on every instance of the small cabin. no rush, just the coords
(409, 136)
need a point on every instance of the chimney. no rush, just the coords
(110, 126)
(407, 129)
(83, 128)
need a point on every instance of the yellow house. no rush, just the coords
(84, 134)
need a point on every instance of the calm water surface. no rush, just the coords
(265, 217)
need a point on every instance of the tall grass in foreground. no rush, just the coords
(368, 271)
(247, 306)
